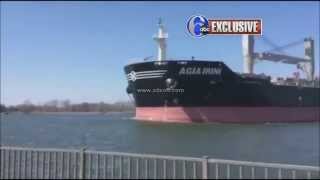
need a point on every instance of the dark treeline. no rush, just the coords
(67, 106)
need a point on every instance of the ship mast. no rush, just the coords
(160, 38)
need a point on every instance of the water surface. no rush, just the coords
(296, 143)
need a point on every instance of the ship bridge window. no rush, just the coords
(182, 62)
(159, 63)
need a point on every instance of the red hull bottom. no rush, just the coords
(228, 114)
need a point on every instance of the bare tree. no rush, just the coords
(52, 105)
(26, 107)
(66, 105)
(3, 108)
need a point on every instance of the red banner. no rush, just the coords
(234, 27)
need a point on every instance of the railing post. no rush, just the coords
(205, 167)
(82, 168)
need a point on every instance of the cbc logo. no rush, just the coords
(198, 26)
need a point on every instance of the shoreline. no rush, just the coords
(71, 113)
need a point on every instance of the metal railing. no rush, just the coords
(31, 163)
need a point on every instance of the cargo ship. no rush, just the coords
(209, 91)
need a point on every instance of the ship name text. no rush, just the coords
(200, 71)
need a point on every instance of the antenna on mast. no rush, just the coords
(160, 38)
(160, 21)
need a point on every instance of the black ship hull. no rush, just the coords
(205, 91)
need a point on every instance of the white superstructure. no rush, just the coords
(160, 38)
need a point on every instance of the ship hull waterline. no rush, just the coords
(228, 114)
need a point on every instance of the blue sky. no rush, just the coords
(77, 50)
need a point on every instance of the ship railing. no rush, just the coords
(39, 163)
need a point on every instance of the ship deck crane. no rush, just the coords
(306, 64)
